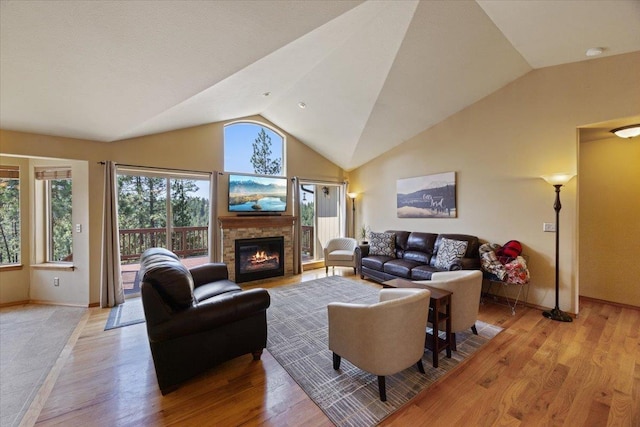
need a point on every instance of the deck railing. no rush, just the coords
(307, 240)
(185, 241)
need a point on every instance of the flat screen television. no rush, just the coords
(257, 194)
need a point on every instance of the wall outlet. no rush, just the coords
(549, 227)
(78, 228)
(56, 281)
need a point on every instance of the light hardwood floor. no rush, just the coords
(537, 372)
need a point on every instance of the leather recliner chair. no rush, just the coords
(197, 318)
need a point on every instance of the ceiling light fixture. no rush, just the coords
(630, 131)
(594, 51)
(302, 105)
(266, 94)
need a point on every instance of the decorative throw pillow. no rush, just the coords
(510, 251)
(449, 252)
(382, 244)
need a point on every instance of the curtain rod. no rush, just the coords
(157, 168)
(317, 181)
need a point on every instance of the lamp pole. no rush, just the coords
(352, 196)
(557, 180)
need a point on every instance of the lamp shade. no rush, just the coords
(352, 195)
(558, 178)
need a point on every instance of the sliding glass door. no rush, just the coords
(322, 217)
(166, 210)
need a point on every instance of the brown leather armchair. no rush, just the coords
(197, 318)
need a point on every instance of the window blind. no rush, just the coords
(57, 172)
(9, 171)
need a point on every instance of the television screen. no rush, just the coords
(257, 194)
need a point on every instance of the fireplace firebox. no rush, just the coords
(259, 258)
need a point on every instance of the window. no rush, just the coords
(169, 209)
(254, 149)
(58, 209)
(9, 215)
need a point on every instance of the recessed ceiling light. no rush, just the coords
(266, 94)
(302, 105)
(594, 51)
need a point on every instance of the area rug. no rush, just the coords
(297, 339)
(129, 313)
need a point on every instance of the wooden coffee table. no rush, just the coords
(439, 311)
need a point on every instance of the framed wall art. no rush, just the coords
(430, 196)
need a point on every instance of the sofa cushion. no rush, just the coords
(423, 272)
(382, 244)
(213, 289)
(342, 255)
(375, 262)
(449, 252)
(400, 267)
(401, 241)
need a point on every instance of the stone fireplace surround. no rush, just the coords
(251, 227)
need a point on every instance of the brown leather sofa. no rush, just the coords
(197, 318)
(415, 256)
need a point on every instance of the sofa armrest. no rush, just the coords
(207, 273)
(465, 264)
(218, 312)
(364, 250)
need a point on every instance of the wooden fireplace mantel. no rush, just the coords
(258, 221)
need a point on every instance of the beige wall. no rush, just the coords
(197, 148)
(609, 219)
(499, 147)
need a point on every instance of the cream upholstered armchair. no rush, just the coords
(382, 338)
(466, 286)
(343, 252)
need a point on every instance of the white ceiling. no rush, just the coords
(372, 74)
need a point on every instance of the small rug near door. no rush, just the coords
(126, 314)
(297, 339)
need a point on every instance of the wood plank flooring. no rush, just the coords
(537, 372)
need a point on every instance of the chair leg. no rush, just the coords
(326, 270)
(336, 361)
(420, 366)
(453, 342)
(382, 388)
(474, 330)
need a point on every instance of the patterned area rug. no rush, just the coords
(297, 338)
(129, 313)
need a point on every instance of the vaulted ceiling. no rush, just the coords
(372, 74)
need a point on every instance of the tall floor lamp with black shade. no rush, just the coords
(353, 196)
(557, 180)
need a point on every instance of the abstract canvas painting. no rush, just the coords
(430, 196)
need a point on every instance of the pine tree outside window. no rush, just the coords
(9, 215)
(251, 148)
(58, 197)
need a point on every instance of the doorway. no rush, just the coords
(322, 217)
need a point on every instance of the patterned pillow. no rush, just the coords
(449, 252)
(382, 244)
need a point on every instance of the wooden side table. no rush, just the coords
(439, 311)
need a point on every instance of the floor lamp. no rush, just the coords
(353, 196)
(557, 180)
